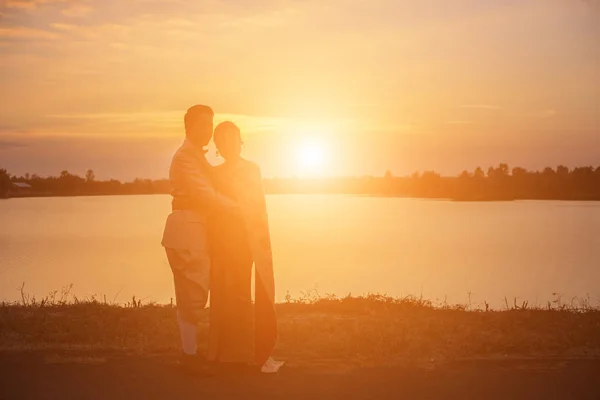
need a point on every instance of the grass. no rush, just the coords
(368, 330)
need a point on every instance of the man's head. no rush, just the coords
(228, 140)
(199, 124)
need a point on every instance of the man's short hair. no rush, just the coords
(224, 127)
(195, 112)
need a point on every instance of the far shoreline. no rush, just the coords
(373, 195)
(499, 184)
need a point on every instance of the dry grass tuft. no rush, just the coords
(369, 330)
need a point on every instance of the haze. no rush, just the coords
(372, 85)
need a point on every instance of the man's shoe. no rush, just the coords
(194, 365)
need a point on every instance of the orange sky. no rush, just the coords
(376, 84)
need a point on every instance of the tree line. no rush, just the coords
(497, 183)
(68, 184)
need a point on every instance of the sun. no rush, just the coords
(311, 157)
(311, 148)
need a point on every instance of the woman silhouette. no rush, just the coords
(239, 242)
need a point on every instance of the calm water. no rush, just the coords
(336, 244)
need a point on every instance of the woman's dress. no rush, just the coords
(242, 332)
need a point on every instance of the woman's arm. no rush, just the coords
(223, 182)
(260, 206)
(261, 188)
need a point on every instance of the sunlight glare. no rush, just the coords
(310, 149)
(311, 157)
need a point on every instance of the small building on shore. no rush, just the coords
(19, 189)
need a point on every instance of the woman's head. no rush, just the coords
(228, 140)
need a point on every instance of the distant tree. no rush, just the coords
(519, 172)
(502, 169)
(478, 173)
(90, 176)
(581, 183)
(548, 172)
(562, 170)
(429, 184)
(69, 183)
(519, 182)
(465, 186)
(5, 182)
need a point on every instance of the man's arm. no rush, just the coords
(200, 189)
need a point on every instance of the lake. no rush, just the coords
(442, 250)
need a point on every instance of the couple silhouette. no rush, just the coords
(217, 231)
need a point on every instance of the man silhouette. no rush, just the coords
(185, 235)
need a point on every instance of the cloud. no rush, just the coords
(180, 22)
(12, 136)
(459, 122)
(22, 32)
(481, 107)
(106, 33)
(23, 5)
(549, 113)
(159, 123)
(6, 128)
(10, 144)
(77, 11)
(272, 57)
(119, 45)
(30, 4)
(64, 27)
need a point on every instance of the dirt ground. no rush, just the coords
(93, 375)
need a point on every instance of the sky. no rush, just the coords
(318, 87)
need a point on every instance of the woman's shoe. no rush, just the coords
(271, 366)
